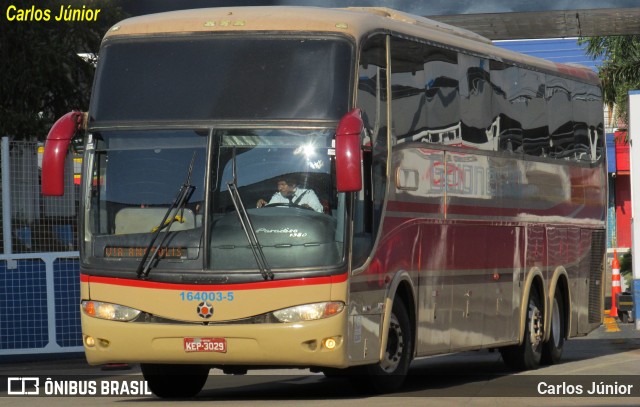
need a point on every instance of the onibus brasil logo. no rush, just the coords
(37, 386)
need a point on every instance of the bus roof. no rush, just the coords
(356, 22)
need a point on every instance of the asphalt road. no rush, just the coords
(606, 361)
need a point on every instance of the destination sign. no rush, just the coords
(139, 252)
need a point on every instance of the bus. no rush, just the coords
(462, 188)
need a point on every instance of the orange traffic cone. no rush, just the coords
(615, 283)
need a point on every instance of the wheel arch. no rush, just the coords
(400, 287)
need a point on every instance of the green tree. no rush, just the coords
(620, 71)
(43, 73)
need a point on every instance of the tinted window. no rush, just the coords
(560, 116)
(479, 129)
(587, 122)
(442, 97)
(222, 77)
(424, 86)
(535, 128)
(507, 105)
(596, 122)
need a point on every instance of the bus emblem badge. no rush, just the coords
(205, 310)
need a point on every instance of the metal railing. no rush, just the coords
(39, 267)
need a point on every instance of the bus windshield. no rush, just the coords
(135, 176)
(131, 180)
(296, 225)
(222, 77)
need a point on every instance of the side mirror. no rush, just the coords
(55, 152)
(349, 153)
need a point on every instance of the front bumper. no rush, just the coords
(281, 344)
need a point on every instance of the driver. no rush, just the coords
(289, 193)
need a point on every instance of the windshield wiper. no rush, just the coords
(247, 226)
(178, 204)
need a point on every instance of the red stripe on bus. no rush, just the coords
(341, 278)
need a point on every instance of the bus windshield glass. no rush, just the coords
(135, 177)
(133, 180)
(285, 181)
(222, 77)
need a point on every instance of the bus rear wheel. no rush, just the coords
(552, 350)
(175, 381)
(389, 374)
(528, 354)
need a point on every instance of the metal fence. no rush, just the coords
(39, 268)
(33, 223)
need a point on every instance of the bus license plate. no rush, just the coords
(205, 345)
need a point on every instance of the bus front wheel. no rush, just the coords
(175, 381)
(389, 374)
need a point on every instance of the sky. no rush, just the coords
(561, 50)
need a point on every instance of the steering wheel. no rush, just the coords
(288, 205)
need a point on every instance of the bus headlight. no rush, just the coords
(309, 312)
(105, 310)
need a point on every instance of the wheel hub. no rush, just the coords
(536, 326)
(395, 347)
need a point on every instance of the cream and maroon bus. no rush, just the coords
(463, 191)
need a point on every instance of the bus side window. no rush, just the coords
(596, 126)
(536, 141)
(507, 106)
(560, 117)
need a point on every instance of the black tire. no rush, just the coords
(332, 373)
(624, 316)
(552, 349)
(389, 374)
(175, 381)
(528, 354)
